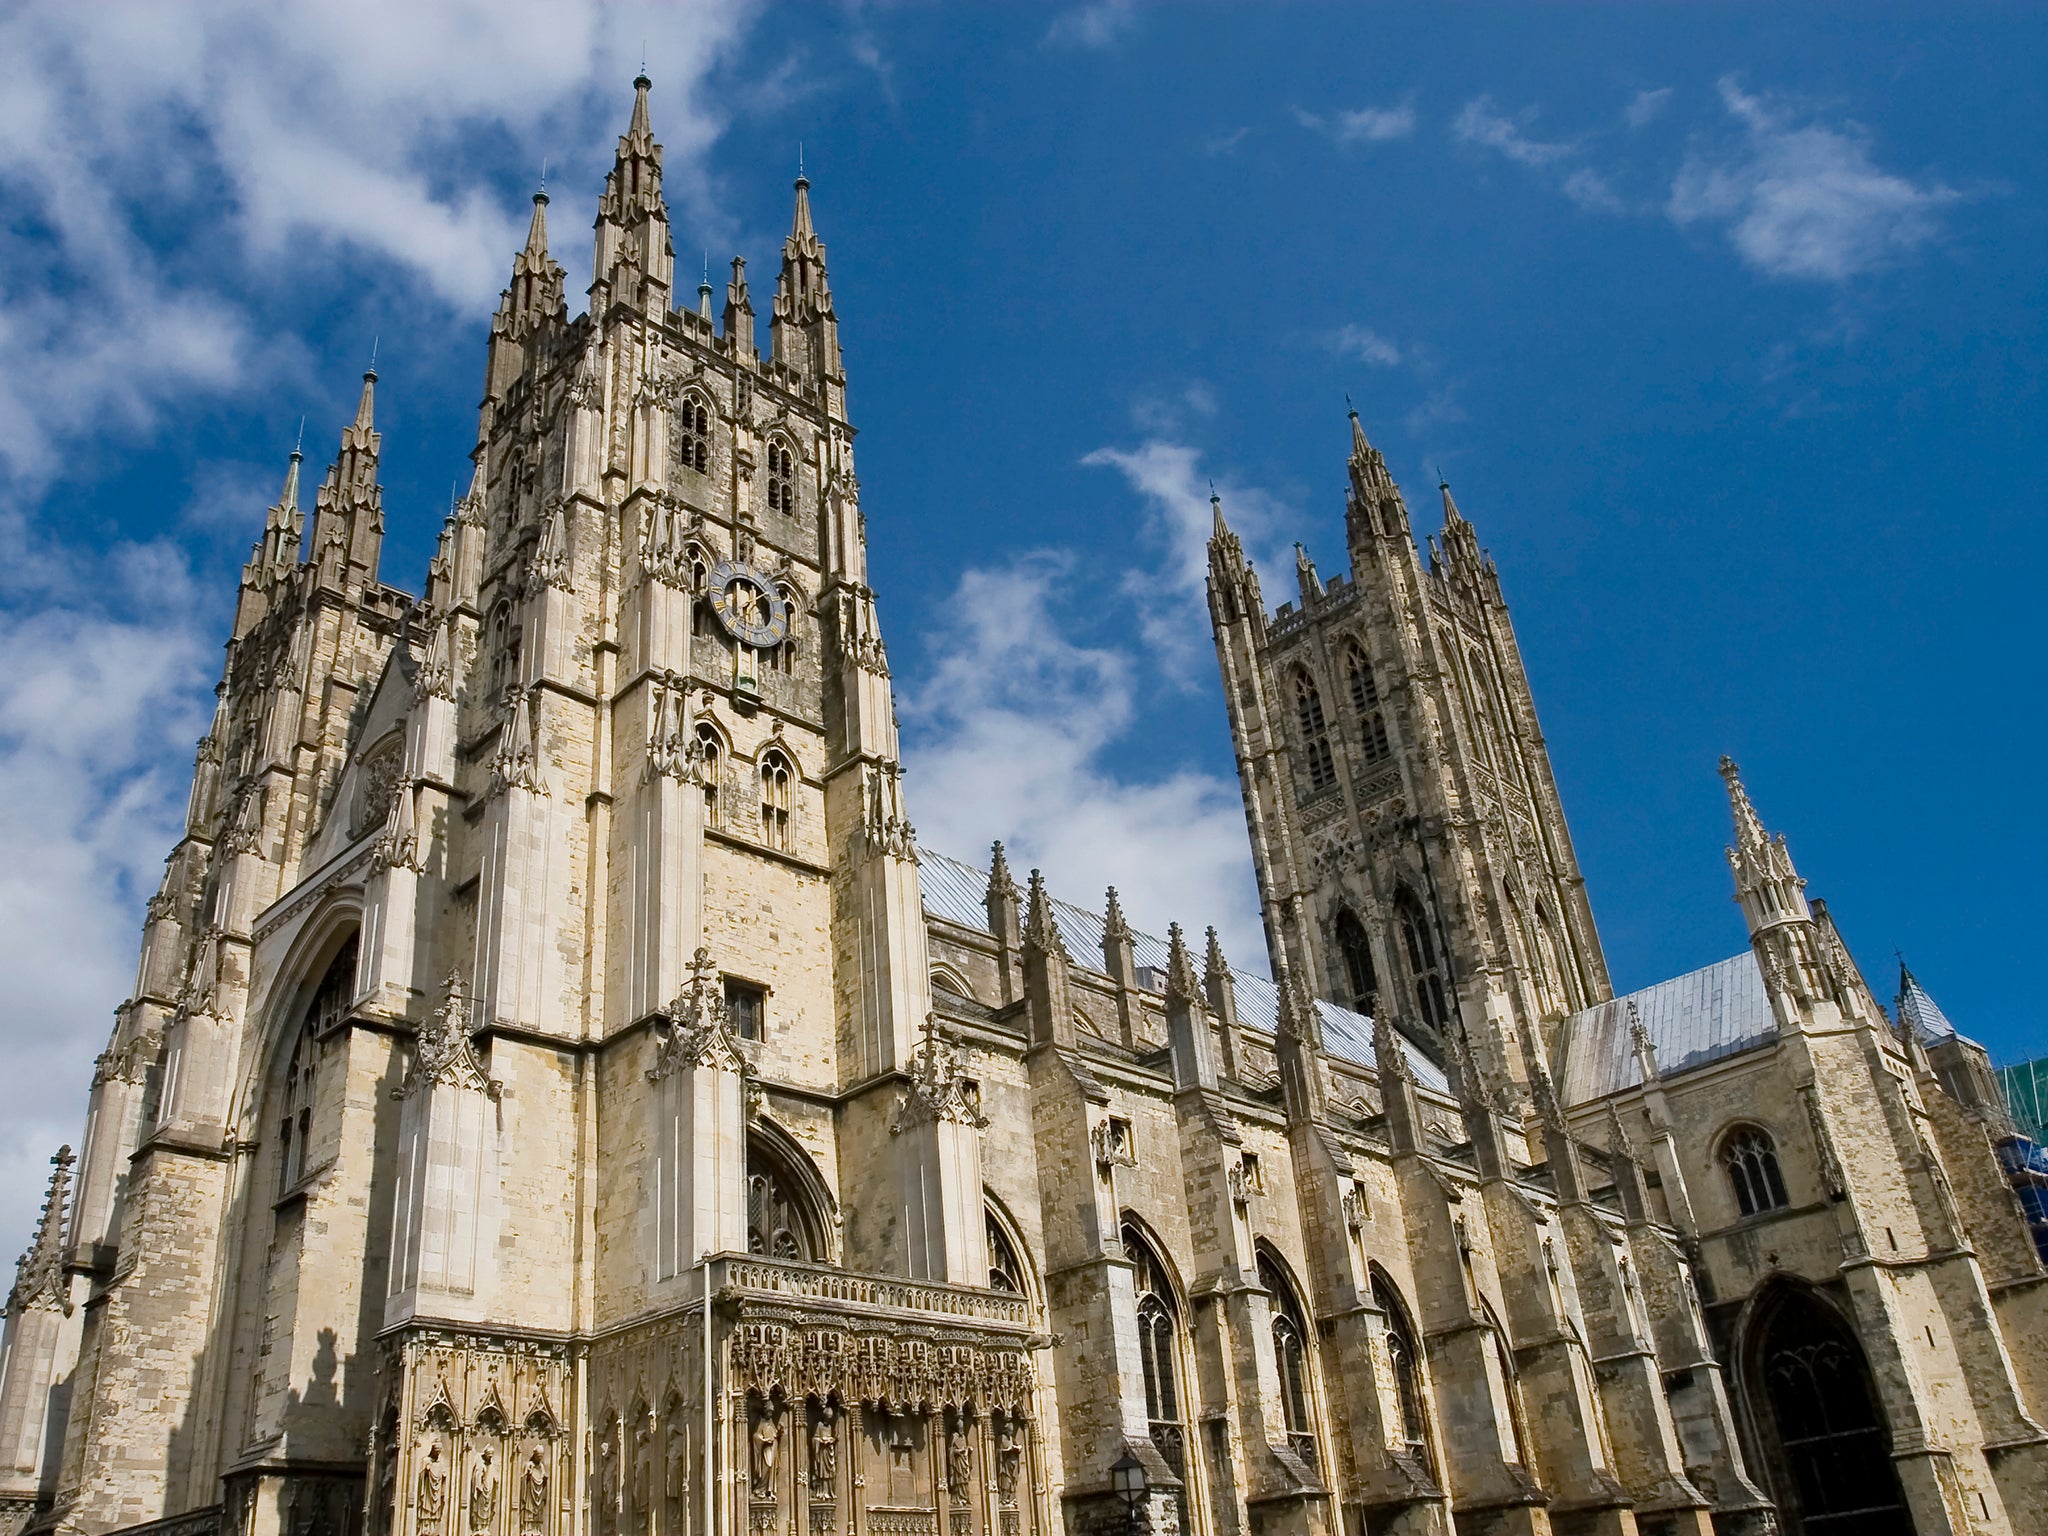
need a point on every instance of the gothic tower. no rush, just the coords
(1409, 843)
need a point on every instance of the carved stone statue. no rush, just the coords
(533, 1495)
(643, 1472)
(824, 1454)
(1009, 1460)
(483, 1492)
(676, 1475)
(767, 1436)
(959, 1460)
(607, 1512)
(430, 1495)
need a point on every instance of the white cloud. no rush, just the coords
(1480, 124)
(1645, 107)
(1363, 125)
(1589, 189)
(1097, 25)
(1364, 344)
(1011, 737)
(1804, 200)
(1167, 597)
(159, 161)
(101, 699)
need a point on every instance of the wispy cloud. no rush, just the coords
(1590, 190)
(1015, 735)
(102, 663)
(1799, 199)
(1097, 25)
(1363, 344)
(1226, 143)
(1361, 125)
(1645, 107)
(1479, 123)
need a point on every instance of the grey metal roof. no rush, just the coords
(1921, 1011)
(1692, 1019)
(958, 893)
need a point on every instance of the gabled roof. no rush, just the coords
(957, 893)
(1693, 1019)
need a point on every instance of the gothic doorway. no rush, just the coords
(1824, 1433)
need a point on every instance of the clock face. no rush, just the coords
(748, 605)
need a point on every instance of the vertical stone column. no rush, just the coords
(662, 852)
(937, 1128)
(37, 1353)
(445, 1210)
(700, 1103)
(516, 962)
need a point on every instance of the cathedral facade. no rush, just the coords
(560, 1097)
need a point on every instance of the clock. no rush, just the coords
(747, 604)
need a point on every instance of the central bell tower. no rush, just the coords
(1411, 850)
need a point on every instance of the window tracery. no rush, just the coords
(1158, 1351)
(1005, 1269)
(326, 1008)
(781, 478)
(1365, 703)
(1431, 997)
(1355, 950)
(1751, 1158)
(1315, 734)
(694, 420)
(713, 746)
(1290, 1354)
(1405, 1360)
(775, 799)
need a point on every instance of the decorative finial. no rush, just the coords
(1441, 483)
(799, 159)
(372, 373)
(1350, 409)
(543, 175)
(298, 447)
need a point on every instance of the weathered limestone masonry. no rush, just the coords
(560, 1098)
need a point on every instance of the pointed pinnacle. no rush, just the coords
(1213, 963)
(1749, 827)
(1114, 926)
(288, 498)
(1000, 881)
(800, 227)
(1181, 981)
(640, 124)
(1452, 515)
(366, 407)
(537, 231)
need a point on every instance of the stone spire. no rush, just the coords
(1374, 505)
(737, 323)
(1181, 980)
(1219, 986)
(39, 1277)
(349, 510)
(1459, 540)
(634, 261)
(532, 300)
(804, 331)
(1041, 933)
(1767, 886)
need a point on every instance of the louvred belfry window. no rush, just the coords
(1355, 950)
(1432, 1000)
(775, 800)
(781, 478)
(694, 418)
(1315, 734)
(1365, 703)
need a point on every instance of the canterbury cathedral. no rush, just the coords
(561, 1097)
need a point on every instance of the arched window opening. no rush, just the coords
(1290, 1354)
(1405, 1360)
(1005, 1269)
(1158, 1353)
(1830, 1448)
(324, 1010)
(1315, 734)
(1550, 963)
(775, 800)
(1431, 997)
(783, 1221)
(1355, 950)
(695, 420)
(1365, 703)
(1751, 1159)
(1504, 1366)
(781, 478)
(713, 747)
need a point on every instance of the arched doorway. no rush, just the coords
(1825, 1435)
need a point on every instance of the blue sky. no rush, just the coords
(1724, 322)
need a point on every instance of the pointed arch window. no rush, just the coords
(1365, 703)
(783, 1221)
(1315, 734)
(713, 746)
(327, 1007)
(1424, 970)
(1405, 1361)
(781, 478)
(695, 420)
(1290, 1354)
(1005, 1269)
(1751, 1158)
(1355, 951)
(775, 799)
(1158, 1351)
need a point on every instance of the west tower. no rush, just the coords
(1410, 846)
